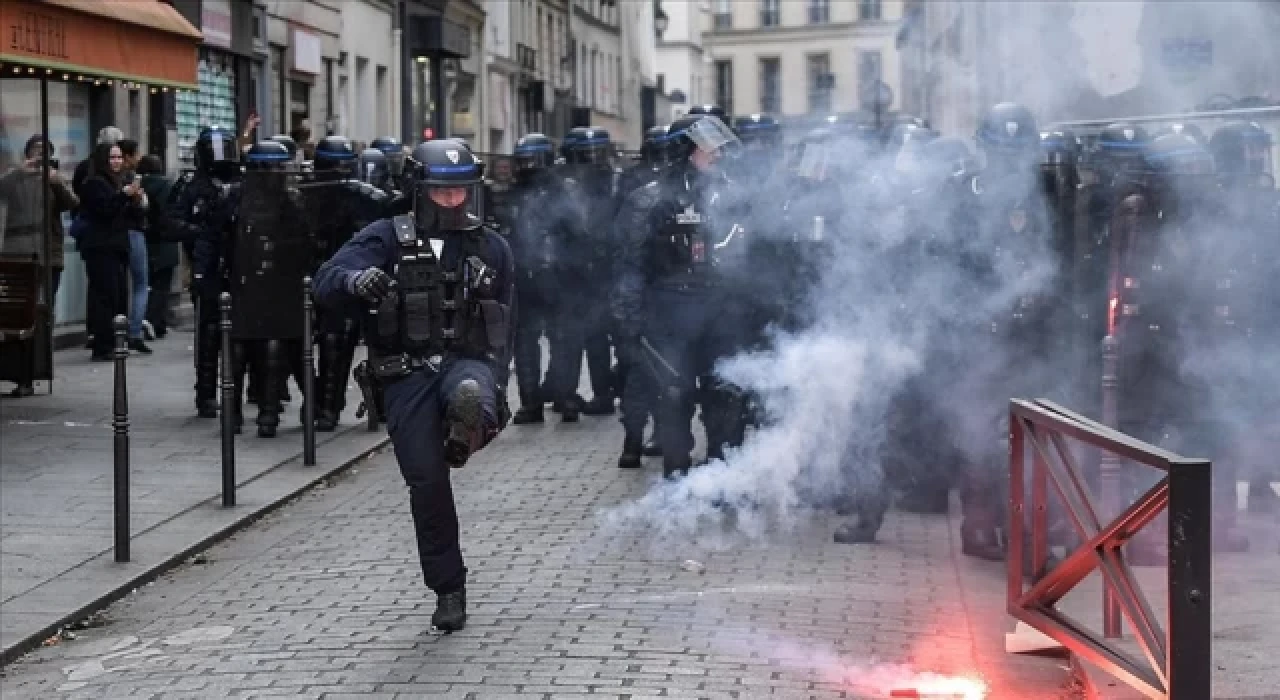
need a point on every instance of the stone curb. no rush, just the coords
(18, 648)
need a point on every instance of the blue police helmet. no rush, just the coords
(1008, 127)
(334, 153)
(446, 163)
(267, 155)
(215, 145)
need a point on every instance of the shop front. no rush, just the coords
(433, 48)
(229, 71)
(61, 61)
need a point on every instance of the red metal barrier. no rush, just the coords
(1177, 658)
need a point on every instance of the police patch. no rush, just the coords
(1011, 128)
(1128, 134)
(452, 156)
(688, 216)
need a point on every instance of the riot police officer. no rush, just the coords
(667, 298)
(267, 257)
(639, 391)
(339, 206)
(546, 233)
(396, 177)
(440, 292)
(1251, 209)
(202, 209)
(1006, 211)
(588, 153)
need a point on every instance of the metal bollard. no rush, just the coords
(1110, 481)
(308, 379)
(228, 405)
(120, 426)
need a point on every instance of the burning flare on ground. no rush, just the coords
(895, 681)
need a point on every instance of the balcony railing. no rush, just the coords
(1178, 661)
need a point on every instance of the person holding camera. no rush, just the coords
(109, 205)
(23, 225)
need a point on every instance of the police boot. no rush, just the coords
(599, 406)
(570, 408)
(269, 383)
(868, 517)
(632, 448)
(208, 343)
(330, 383)
(451, 611)
(675, 467)
(464, 421)
(528, 413)
(652, 448)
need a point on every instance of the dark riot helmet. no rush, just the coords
(1178, 154)
(714, 110)
(758, 131)
(698, 132)
(288, 143)
(587, 145)
(447, 183)
(335, 153)
(1059, 149)
(215, 150)
(655, 146)
(534, 153)
(1241, 148)
(373, 167)
(1008, 129)
(267, 155)
(1121, 147)
(908, 140)
(393, 150)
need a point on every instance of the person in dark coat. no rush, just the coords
(107, 205)
(163, 249)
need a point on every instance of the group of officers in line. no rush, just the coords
(717, 236)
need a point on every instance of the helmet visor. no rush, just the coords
(222, 148)
(448, 207)
(711, 135)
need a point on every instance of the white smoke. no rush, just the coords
(877, 314)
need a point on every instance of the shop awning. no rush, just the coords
(143, 41)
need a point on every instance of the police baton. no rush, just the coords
(656, 360)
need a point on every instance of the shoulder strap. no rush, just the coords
(406, 231)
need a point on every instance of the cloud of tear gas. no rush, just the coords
(907, 277)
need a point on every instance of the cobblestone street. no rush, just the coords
(324, 599)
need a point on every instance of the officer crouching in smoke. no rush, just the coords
(439, 292)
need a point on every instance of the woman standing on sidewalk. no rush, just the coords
(108, 204)
(139, 275)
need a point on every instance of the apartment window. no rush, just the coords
(869, 70)
(868, 9)
(821, 83)
(770, 85)
(723, 15)
(769, 13)
(819, 11)
(724, 85)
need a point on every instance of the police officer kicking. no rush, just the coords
(439, 290)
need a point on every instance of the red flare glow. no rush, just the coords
(1111, 315)
(940, 688)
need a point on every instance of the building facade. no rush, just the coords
(596, 27)
(1072, 60)
(368, 72)
(683, 66)
(501, 74)
(305, 52)
(802, 60)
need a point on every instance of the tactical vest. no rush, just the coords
(683, 254)
(434, 310)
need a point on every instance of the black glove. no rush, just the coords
(372, 284)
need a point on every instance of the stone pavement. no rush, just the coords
(56, 494)
(323, 599)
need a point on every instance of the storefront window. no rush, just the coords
(22, 213)
(461, 100)
(213, 105)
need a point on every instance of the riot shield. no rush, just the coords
(271, 254)
(328, 212)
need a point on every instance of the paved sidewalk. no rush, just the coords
(324, 599)
(56, 480)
